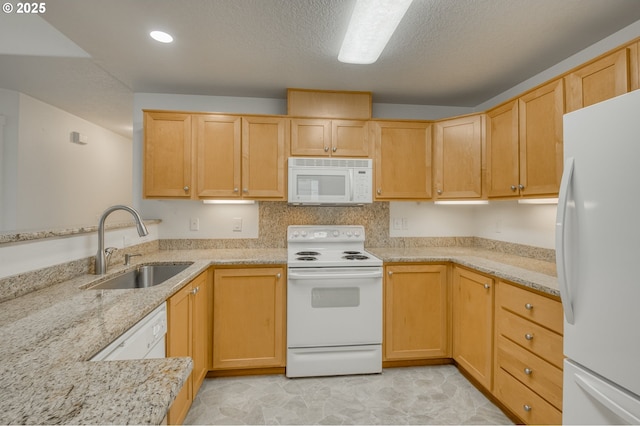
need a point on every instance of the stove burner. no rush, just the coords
(351, 252)
(307, 258)
(307, 253)
(355, 257)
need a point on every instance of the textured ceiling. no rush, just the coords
(445, 52)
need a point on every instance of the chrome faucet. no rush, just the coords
(101, 258)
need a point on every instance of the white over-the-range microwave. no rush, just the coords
(330, 181)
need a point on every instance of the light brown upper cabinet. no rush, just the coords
(336, 138)
(540, 140)
(603, 79)
(402, 160)
(458, 157)
(167, 155)
(264, 156)
(211, 156)
(503, 159)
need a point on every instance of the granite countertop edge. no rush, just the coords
(49, 335)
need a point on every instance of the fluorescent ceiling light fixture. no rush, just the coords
(461, 202)
(372, 25)
(538, 201)
(161, 36)
(229, 202)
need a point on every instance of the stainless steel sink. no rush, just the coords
(142, 277)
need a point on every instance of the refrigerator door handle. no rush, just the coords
(560, 240)
(598, 393)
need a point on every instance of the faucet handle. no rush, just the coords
(128, 256)
(108, 252)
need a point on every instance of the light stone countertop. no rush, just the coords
(535, 274)
(48, 336)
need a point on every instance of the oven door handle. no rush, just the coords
(339, 275)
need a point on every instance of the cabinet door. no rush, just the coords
(402, 160)
(457, 156)
(603, 79)
(503, 170)
(167, 155)
(416, 315)
(202, 328)
(541, 153)
(349, 138)
(264, 154)
(218, 153)
(249, 318)
(473, 324)
(179, 339)
(310, 137)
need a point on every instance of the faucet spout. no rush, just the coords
(101, 258)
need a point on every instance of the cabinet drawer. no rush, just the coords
(539, 340)
(542, 377)
(524, 402)
(542, 310)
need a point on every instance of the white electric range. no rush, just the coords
(334, 302)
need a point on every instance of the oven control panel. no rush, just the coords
(333, 233)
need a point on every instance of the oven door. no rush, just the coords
(334, 306)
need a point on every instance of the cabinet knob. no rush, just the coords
(186, 189)
(487, 286)
(528, 306)
(528, 336)
(528, 371)
(278, 275)
(335, 148)
(379, 191)
(521, 186)
(235, 189)
(245, 190)
(326, 149)
(439, 191)
(513, 188)
(390, 273)
(194, 291)
(526, 407)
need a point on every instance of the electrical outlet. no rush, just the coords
(405, 223)
(194, 224)
(397, 223)
(237, 224)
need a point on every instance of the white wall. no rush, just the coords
(50, 182)
(9, 102)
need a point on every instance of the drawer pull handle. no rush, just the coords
(527, 408)
(528, 336)
(528, 371)
(528, 306)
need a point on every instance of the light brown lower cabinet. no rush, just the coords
(473, 295)
(416, 312)
(188, 335)
(528, 364)
(249, 318)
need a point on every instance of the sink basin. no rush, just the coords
(141, 277)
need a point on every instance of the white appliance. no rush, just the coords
(145, 340)
(597, 250)
(330, 181)
(334, 302)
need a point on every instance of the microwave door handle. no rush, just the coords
(350, 184)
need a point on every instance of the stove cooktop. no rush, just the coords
(328, 246)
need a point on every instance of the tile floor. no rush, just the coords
(413, 395)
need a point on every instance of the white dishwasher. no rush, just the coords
(142, 341)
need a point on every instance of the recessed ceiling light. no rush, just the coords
(372, 25)
(161, 36)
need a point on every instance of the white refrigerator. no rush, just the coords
(598, 259)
